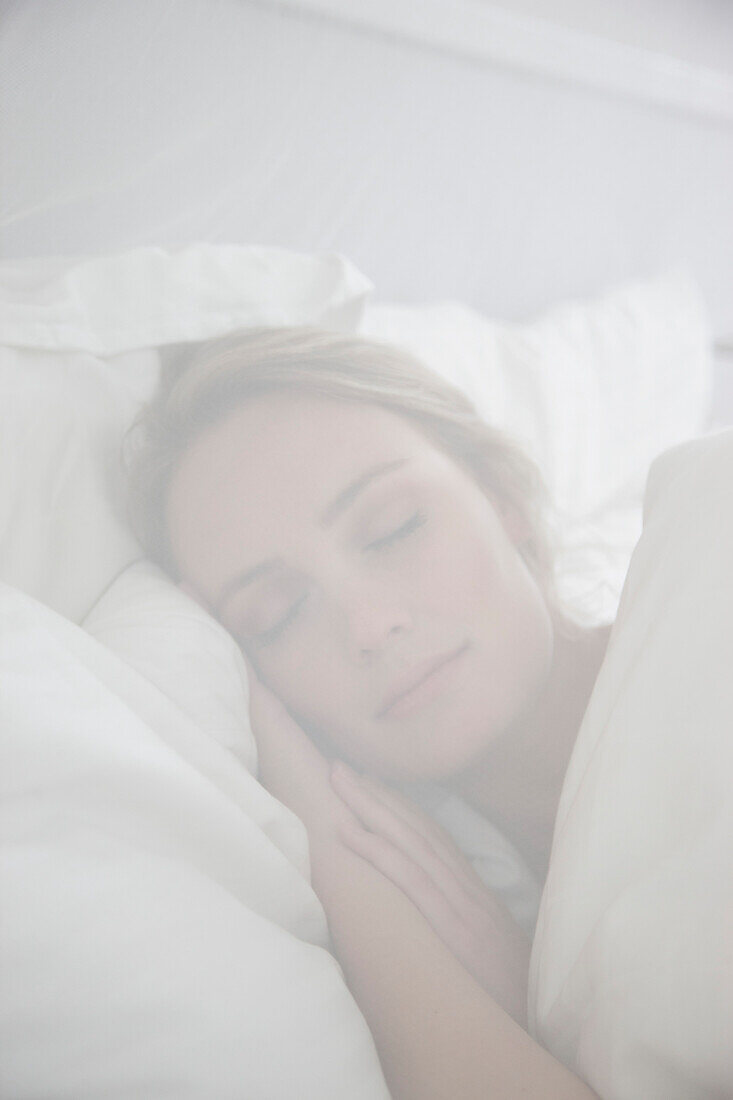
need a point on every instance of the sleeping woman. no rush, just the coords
(378, 551)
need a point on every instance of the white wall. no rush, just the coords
(698, 31)
(441, 172)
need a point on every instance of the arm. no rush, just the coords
(438, 1033)
(440, 1036)
(419, 857)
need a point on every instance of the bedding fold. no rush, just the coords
(158, 935)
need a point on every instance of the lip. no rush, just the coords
(419, 684)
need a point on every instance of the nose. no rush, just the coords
(375, 617)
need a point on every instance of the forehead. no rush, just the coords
(253, 481)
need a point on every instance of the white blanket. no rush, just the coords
(159, 936)
(632, 968)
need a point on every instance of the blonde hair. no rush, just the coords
(200, 386)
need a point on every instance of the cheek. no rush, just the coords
(519, 641)
(490, 578)
(457, 577)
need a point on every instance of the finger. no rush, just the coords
(416, 817)
(442, 844)
(498, 960)
(382, 820)
(412, 879)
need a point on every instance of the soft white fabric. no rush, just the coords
(147, 296)
(632, 969)
(63, 415)
(158, 935)
(494, 857)
(155, 628)
(594, 391)
(77, 359)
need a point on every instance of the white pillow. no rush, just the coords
(593, 390)
(630, 979)
(173, 643)
(148, 296)
(80, 357)
(159, 936)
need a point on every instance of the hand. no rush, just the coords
(417, 856)
(283, 748)
(290, 766)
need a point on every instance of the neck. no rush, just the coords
(517, 783)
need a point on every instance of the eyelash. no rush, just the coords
(410, 525)
(419, 519)
(274, 632)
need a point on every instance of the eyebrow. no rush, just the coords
(337, 506)
(348, 495)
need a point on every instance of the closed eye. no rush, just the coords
(266, 637)
(412, 524)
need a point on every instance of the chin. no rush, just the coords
(479, 727)
(433, 752)
(460, 749)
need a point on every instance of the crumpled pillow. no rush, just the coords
(594, 390)
(78, 357)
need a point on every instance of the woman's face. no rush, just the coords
(371, 583)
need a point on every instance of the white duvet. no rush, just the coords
(159, 937)
(632, 967)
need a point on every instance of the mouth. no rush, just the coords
(421, 684)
